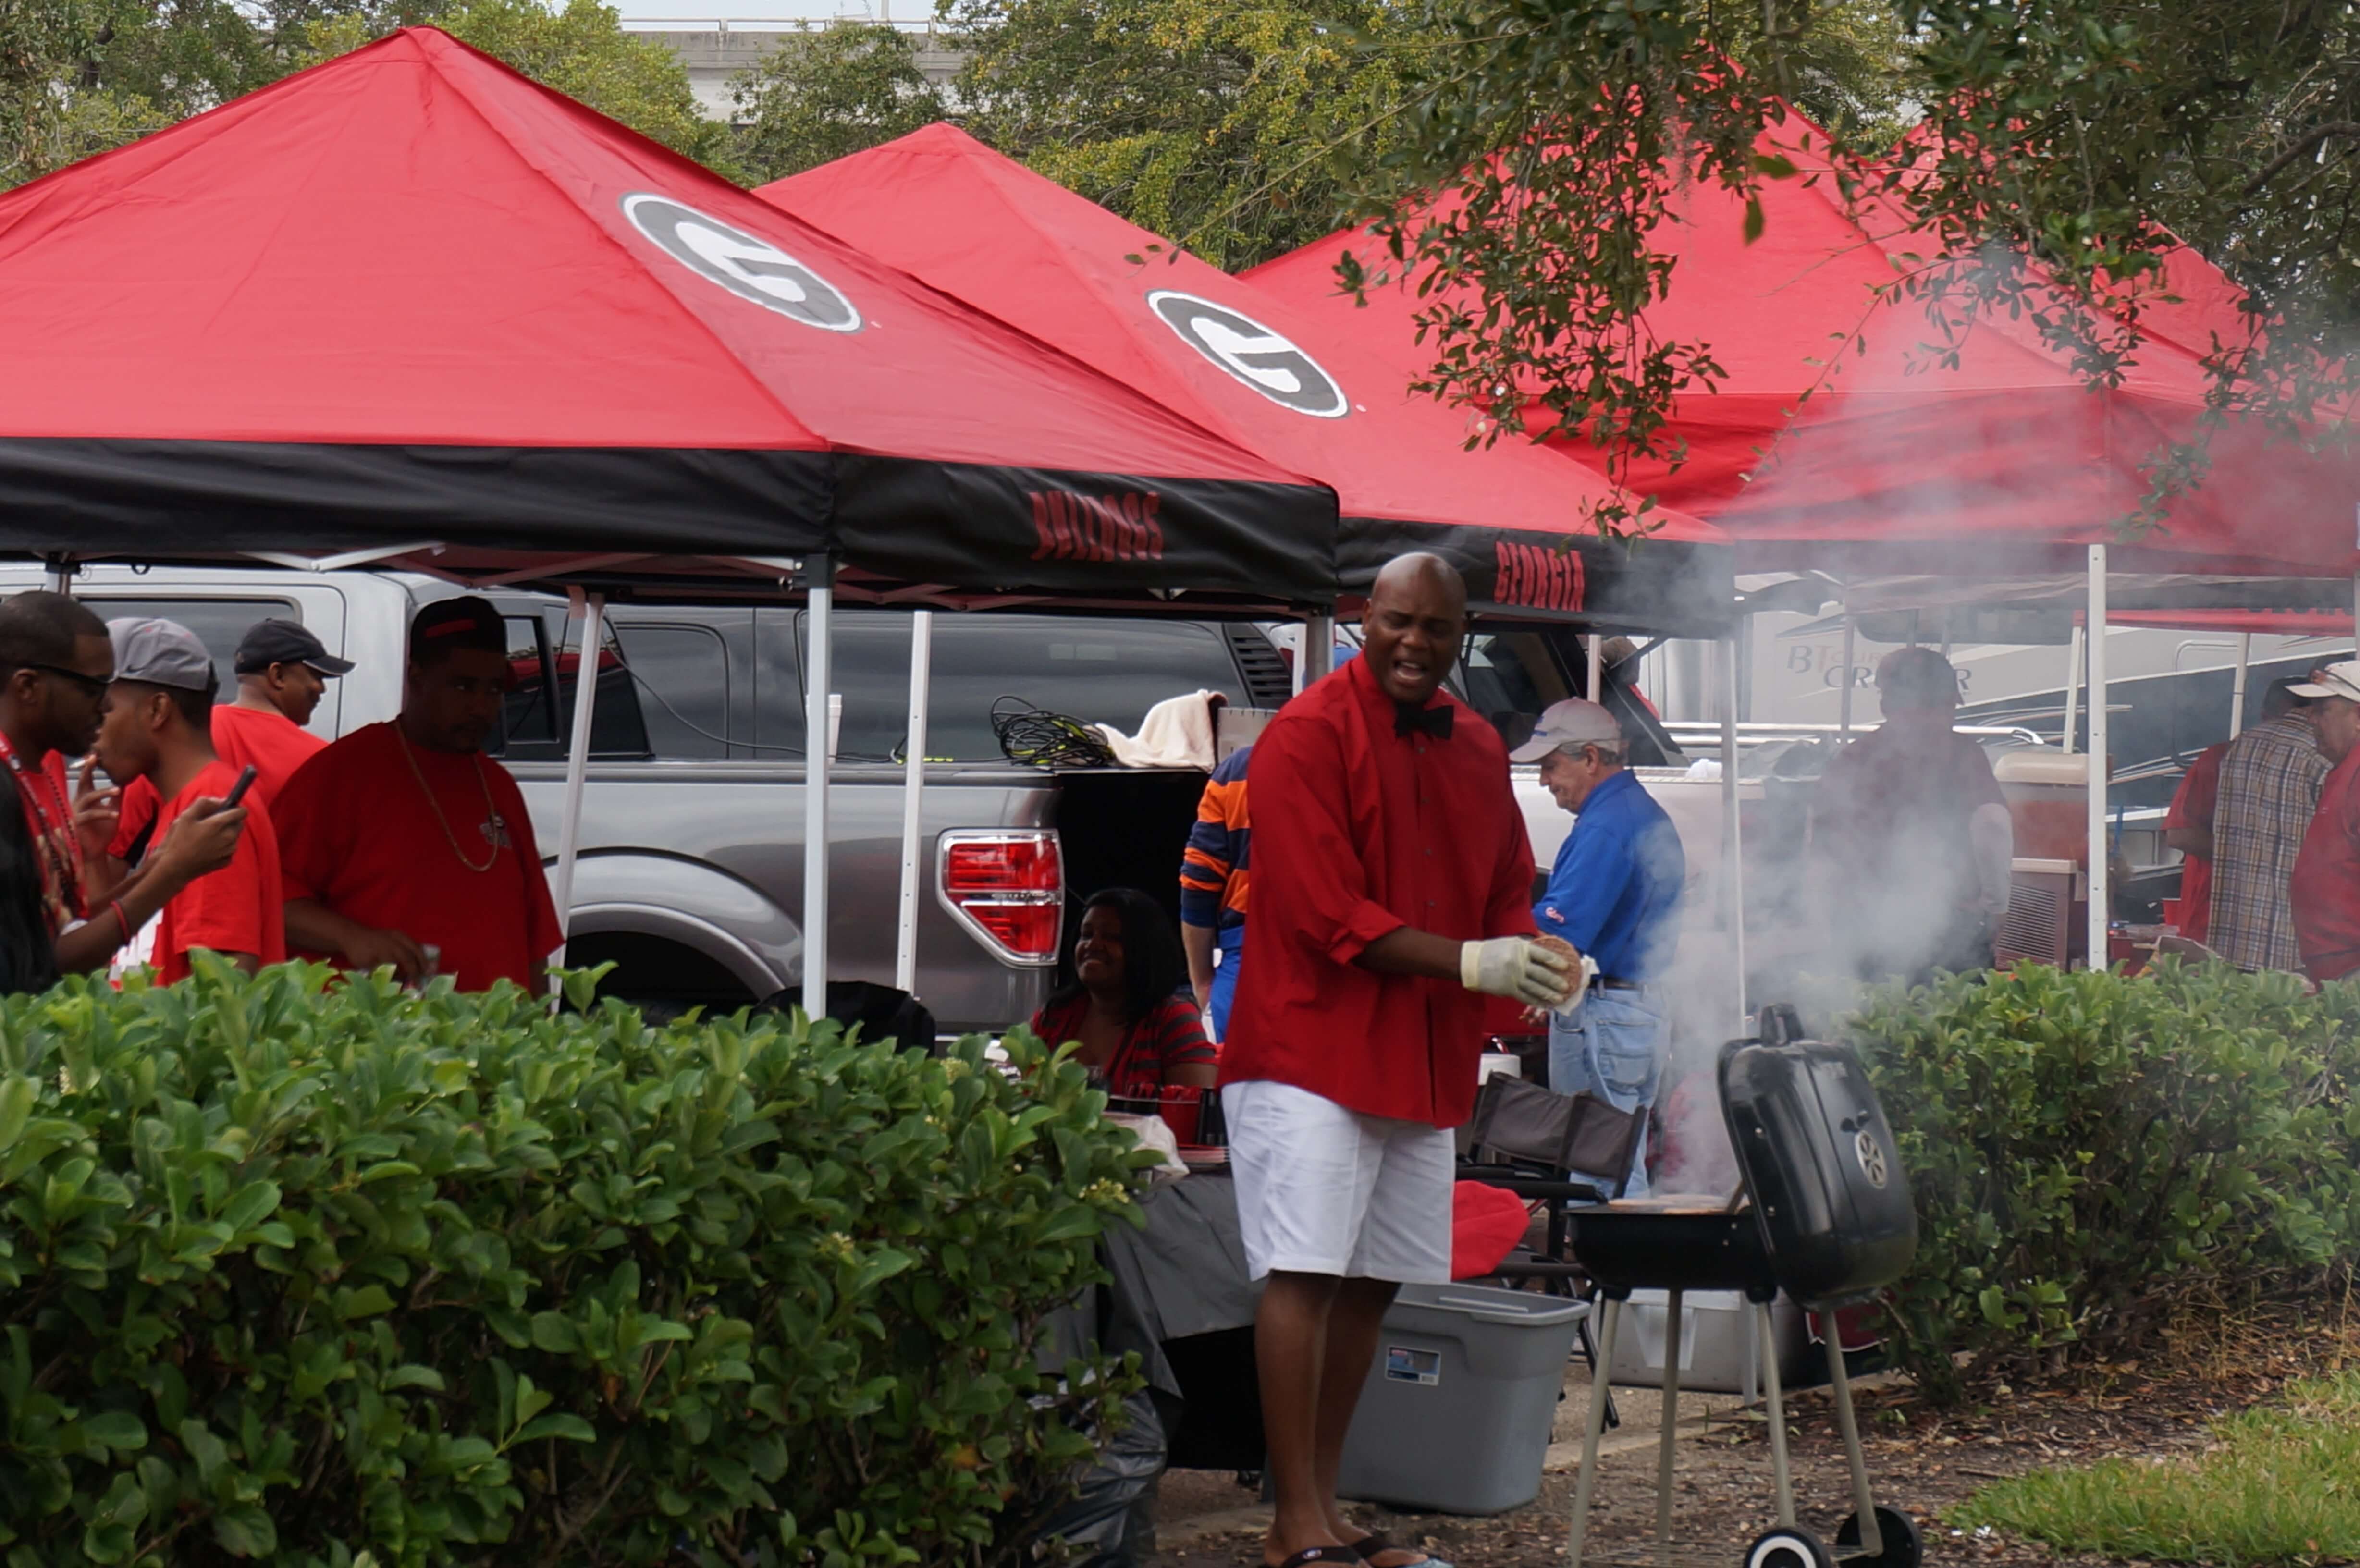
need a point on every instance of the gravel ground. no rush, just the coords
(1920, 1459)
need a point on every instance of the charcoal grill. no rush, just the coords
(1824, 1213)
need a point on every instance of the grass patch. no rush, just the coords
(2282, 1485)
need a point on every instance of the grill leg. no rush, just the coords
(1782, 1475)
(1590, 1354)
(1871, 1539)
(1671, 1429)
(1585, 1483)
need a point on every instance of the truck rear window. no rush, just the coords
(1101, 670)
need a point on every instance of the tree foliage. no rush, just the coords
(77, 77)
(1241, 132)
(2058, 150)
(828, 94)
(581, 49)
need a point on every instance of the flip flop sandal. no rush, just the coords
(1373, 1545)
(1310, 1554)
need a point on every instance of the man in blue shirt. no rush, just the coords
(1614, 894)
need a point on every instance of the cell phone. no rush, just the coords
(237, 790)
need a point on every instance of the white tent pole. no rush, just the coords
(592, 612)
(2237, 684)
(1597, 665)
(1732, 846)
(2072, 691)
(1843, 721)
(818, 678)
(914, 795)
(1318, 658)
(2098, 747)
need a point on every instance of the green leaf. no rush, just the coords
(573, 1429)
(245, 1532)
(555, 1333)
(118, 1430)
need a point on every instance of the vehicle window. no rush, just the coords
(536, 721)
(527, 725)
(1511, 674)
(220, 624)
(682, 675)
(1097, 669)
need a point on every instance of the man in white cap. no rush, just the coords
(2271, 777)
(1614, 895)
(2324, 892)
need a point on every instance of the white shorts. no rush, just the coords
(1322, 1190)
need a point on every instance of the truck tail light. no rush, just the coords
(1008, 888)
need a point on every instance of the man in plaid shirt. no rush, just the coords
(2270, 779)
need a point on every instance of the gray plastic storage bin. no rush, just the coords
(1457, 1412)
(1720, 1348)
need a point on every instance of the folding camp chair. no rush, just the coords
(1547, 1148)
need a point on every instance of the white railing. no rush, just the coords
(770, 24)
(1707, 732)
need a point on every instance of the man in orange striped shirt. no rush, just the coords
(1213, 874)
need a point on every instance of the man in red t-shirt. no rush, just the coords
(403, 835)
(157, 728)
(1392, 884)
(282, 670)
(2324, 892)
(2188, 825)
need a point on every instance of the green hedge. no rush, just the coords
(2090, 1150)
(311, 1272)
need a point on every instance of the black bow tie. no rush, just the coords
(1409, 719)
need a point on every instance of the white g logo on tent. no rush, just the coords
(1252, 353)
(748, 267)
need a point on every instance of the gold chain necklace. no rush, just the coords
(499, 825)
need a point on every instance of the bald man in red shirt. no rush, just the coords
(1393, 892)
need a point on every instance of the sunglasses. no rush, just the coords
(91, 686)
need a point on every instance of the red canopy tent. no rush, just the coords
(2006, 457)
(1264, 374)
(409, 293)
(410, 306)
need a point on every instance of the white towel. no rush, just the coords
(1176, 733)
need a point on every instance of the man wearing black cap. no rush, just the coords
(404, 836)
(281, 670)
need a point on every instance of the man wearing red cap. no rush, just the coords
(404, 836)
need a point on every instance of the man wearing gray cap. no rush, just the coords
(1614, 894)
(158, 727)
(282, 670)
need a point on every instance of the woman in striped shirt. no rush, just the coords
(1140, 1033)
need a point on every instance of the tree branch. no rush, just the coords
(2346, 130)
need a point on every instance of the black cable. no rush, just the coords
(1039, 738)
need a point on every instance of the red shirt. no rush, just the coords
(45, 794)
(1172, 1036)
(274, 743)
(239, 908)
(1358, 833)
(2191, 807)
(363, 836)
(2324, 892)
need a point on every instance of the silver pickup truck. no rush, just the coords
(691, 873)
